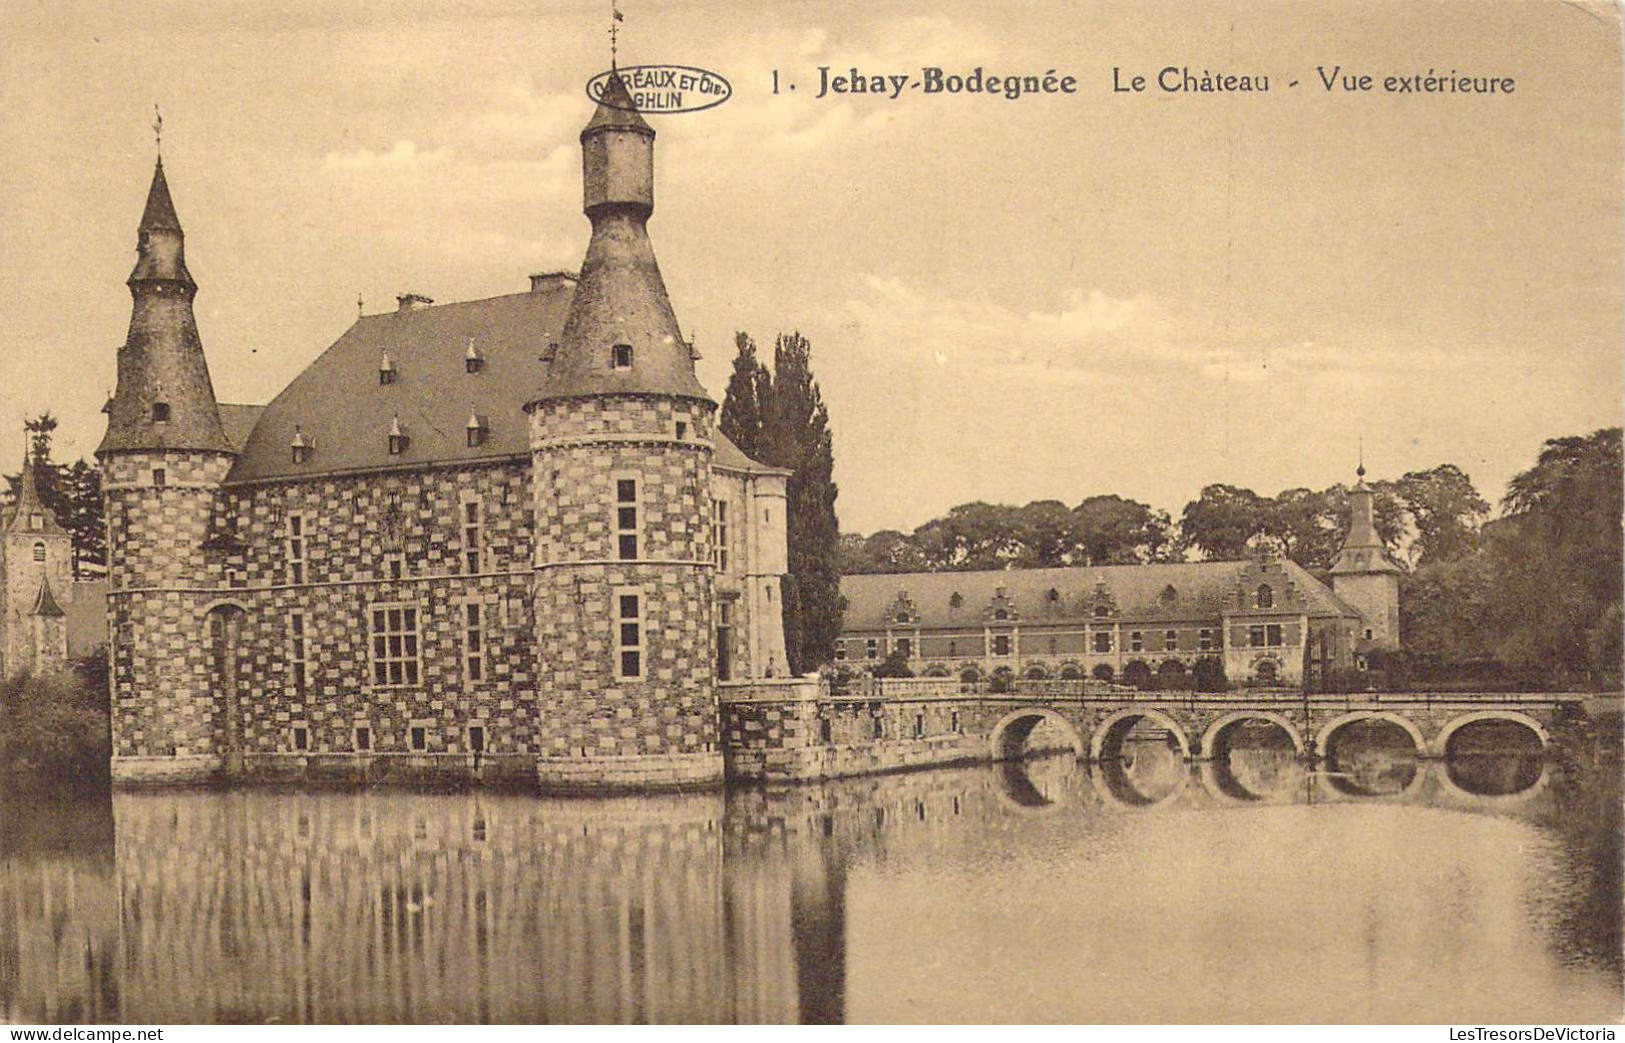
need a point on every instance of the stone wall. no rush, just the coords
(600, 722)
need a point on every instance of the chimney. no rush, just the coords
(411, 302)
(545, 282)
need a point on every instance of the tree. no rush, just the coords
(1558, 557)
(1446, 510)
(1048, 534)
(971, 537)
(72, 493)
(796, 436)
(894, 665)
(886, 551)
(744, 404)
(1224, 521)
(1116, 531)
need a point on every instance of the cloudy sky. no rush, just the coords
(1044, 298)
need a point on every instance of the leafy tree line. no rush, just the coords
(73, 492)
(1533, 596)
(1425, 516)
(778, 417)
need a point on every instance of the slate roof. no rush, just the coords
(345, 414)
(45, 603)
(160, 209)
(617, 110)
(1137, 590)
(238, 420)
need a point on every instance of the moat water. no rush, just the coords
(1374, 888)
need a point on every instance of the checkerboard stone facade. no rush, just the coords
(168, 625)
(661, 727)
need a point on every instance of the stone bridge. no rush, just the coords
(906, 723)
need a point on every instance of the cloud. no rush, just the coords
(1093, 336)
(405, 155)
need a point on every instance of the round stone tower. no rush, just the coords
(1365, 576)
(163, 459)
(620, 438)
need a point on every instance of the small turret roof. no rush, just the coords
(160, 211)
(617, 110)
(45, 603)
(29, 506)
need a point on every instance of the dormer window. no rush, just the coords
(473, 359)
(1000, 614)
(620, 357)
(1101, 611)
(477, 429)
(300, 446)
(39, 550)
(397, 438)
(386, 370)
(160, 412)
(1264, 596)
(955, 600)
(1169, 595)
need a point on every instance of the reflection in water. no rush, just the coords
(955, 895)
(1141, 764)
(1256, 760)
(1495, 758)
(1373, 758)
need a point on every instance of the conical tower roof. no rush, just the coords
(30, 514)
(160, 211)
(1363, 550)
(617, 110)
(621, 336)
(165, 399)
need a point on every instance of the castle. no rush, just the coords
(1263, 622)
(502, 536)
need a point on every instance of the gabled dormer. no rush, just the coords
(1001, 609)
(1266, 586)
(903, 611)
(1099, 603)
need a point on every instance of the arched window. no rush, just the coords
(39, 550)
(1264, 597)
(1265, 671)
(1001, 614)
(1101, 611)
(1104, 672)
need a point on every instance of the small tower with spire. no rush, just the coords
(36, 581)
(163, 460)
(1364, 575)
(621, 451)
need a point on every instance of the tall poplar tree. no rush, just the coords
(797, 437)
(779, 418)
(745, 401)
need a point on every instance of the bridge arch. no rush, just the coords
(1010, 734)
(1441, 745)
(1117, 725)
(1324, 736)
(1210, 738)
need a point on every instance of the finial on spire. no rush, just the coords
(358, 306)
(615, 17)
(158, 130)
(1359, 472)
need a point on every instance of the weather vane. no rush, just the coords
(615, 17)
(158, 128)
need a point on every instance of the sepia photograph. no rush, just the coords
(1103, 512)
